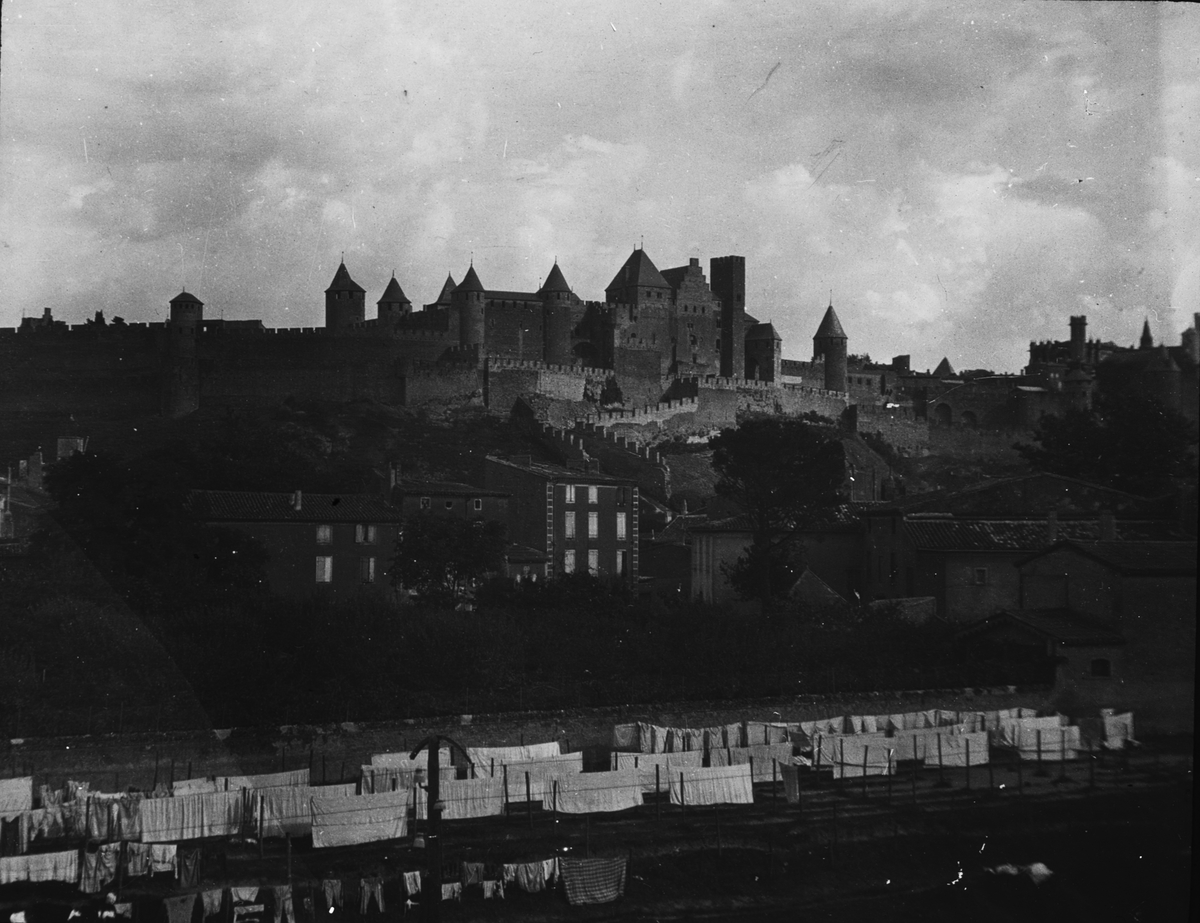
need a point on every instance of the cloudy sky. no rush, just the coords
(962, 176)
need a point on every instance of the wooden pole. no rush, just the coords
(189, 775)
(554, 804)
(657, 792)
(505, 769)
(1020, 777)
(322, 768)
(155, 785)
(775, 781)
(1039, 771)
(968, 743)
(1062, 755)
(288, 837)
(841, 766)
(941, 767)
(864, 771)
(528, 800)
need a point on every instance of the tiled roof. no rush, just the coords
(946, 533)
(555, 281)
(445, 489)
(342, 281)
(255, 506)
(1066, 626)
(843, 517)
(559, 472)
(762, 332)
(639, 272)
(470, 282)
(830, 325)
(185, 296)
(1135, 557)
(393, 293)
(679, 529)
(944, 369)
(447, 288)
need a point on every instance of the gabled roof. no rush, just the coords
(260, 506)
(679, 529)
(1016, 497)
(639, 272)
(555, 282)
(185, 296)
(1138, 558)
(944, 369)
(470, 282)
(393, 294)
(813, 591)
(342, 281)
(762, 332)
(1066, 626)
(830, 326)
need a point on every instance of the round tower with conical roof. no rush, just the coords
(181, 375)
(468, 302)
(393, 305)
(345, 302)
(830, 344)
(556, 318)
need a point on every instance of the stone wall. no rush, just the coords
(972, 442)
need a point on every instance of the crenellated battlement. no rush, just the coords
(535, 365)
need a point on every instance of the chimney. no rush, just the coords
(1052, 527)
(297, 499)
(683, 508)
(393, 474)
(1108, 526)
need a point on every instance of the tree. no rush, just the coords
(1131, 441)
(786, 476)
(442, 559)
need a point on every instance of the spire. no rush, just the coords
(830, 325)
(342, 281)
(638, 272)
(393, 294)
(1147, 340)
(470, 282)
(555, 281)
(447, 290)
(944, 369)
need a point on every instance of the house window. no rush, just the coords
(980, 576)
(477, 504)
(366, 570)
(569, 524)
(449, 504)
(593, 495)
(1102, 667)
(621, 520)
(324, 568)
(621, 498)
(569, 561)
(569, 490)
(364, 534)
(425, 503)
(593, 561)
(593, 525)
(620, 568)
(324, 534)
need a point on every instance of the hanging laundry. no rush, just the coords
(542, 773)
(283, 903)
(412, 883)
(590, 792)
(163, 859)
(189, 867)
(624, 736)
(191, 817)
(54, 866)
(529, 876)
(1118, 730)
(644, 764)
(550, 870)
(179, 909)
(452, 891)
(956, 749)
(858, 755)
(369, 888)
(340, 821)
(481, 757)
(403, 760)
(100, 863)
(493, 889)
(203, 786)
(246, 895)
(333, 892)
(645, 737)
(137, 859)
(715, 785)
(762, 757)
(212, 901)
(1054, 744)
(593, 881)
(292, 777)
(123, 910)
(472, 873)
(465, 798)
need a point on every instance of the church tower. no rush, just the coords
(829, 343)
